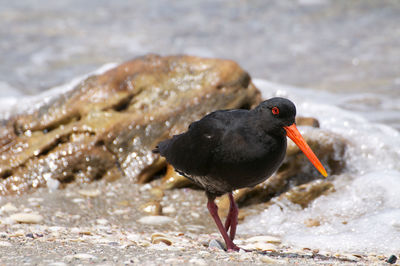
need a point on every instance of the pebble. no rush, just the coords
(195, 215)
(269, 260)
(216, 244)
(145, 187)
(169, 210)
(52, 184)
(392, 259)
(152, 207)
(84, 256)
(91, 193)
(29, 218)
(155, 220)
(8, 207)
(30, 235)
(78, 200)
(102, 221)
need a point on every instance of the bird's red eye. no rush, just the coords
(275, 110)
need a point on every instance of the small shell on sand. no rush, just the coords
(84, 256)
(269, 260)
(155, 235)
(155, 220)
(160, 239)
(8, 207)
(29, 218)
(265, 246)
(89, 192)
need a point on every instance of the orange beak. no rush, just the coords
(293, 133)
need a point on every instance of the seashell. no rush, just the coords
(160, 239)
(265, 246)
(155, 235)
(266, 239)
(91, 193)
(155, 220)
(28, 218)
(8, 207)
(269, 260)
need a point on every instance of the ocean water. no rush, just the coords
(363, 215)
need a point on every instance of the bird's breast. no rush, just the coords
(248, 166)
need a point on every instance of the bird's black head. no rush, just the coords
(278, 115)
(279, 110)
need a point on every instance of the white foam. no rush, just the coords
(363, 215)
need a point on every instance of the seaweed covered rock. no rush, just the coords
(107, 125)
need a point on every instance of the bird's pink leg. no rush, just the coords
(232, 218)
(213, 209)
(228, 217)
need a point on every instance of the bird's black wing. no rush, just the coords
(192, 151)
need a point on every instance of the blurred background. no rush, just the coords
(349, 48)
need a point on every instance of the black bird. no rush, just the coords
(232, 149)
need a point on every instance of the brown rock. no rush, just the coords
(307, 121)
(173, 179)
(107, 126)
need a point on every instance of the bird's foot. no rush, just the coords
(232, 248)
